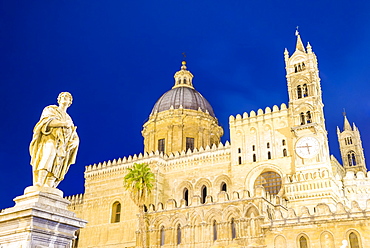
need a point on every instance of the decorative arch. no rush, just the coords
(200, 183)
(280, 242)
(180, 191)
(251, 211)
(213, 214)
(256, 171)
(327, 240)
(231, 212)
(354, 238)
(195, 218)
(218, 183)
(161, 220)
(303, 241)
(178, 218)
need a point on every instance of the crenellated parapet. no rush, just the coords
(357, 186)
(261, 115)
(75, 199)
(172, 161)
(260, 136)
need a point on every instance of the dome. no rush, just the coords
(186, 97)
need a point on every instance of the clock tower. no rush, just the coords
(306, 114)
(312, 180)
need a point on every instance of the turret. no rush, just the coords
(351, 147)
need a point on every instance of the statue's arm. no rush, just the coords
(58, 123)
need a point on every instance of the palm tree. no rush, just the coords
(139, 181)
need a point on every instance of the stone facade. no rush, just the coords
(274, 185)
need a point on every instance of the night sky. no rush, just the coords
(118, 57)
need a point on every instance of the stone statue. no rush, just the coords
(54, 144)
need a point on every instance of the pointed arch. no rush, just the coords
(302, 241)
(251, 210)
(222, 181)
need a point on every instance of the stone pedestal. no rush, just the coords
(39, 219)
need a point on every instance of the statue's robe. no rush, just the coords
(53, 149)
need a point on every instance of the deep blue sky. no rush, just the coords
(118, 57)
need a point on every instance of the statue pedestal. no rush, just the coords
(39, 219)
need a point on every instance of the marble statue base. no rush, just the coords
(39, 219)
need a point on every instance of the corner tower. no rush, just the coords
(181, 119)
(351, 148)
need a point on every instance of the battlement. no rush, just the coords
(261, 114)
(168, 161)
(75, 199)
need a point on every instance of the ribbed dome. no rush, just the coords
(186, 97)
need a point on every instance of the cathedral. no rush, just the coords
(274, 185)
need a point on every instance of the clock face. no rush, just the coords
(307, 147)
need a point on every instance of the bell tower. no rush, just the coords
(306, 114)
(311, 181)
(351, 148)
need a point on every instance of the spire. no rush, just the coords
(347, 126)
(183, 78)
(299, 45)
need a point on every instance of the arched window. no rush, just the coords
(253, 148)
(283, 142)
(285, 152)
(186, 196)
(214, 230)
(223, 186)
(268, 155)
(308, 117)
(303, 243)
(268, 145)
(254, 158)
(353, 240)
(184, 80)
(240, 160)
(239, 150)
(352, 158)
(303, 119)
(179, 234)
(162, 233)
(305, 90)
(299, 91)
(270, 180)
(348, 140)
(204, 194)
(116, 212)
(233, 229)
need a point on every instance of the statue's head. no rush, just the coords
(65, 94)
